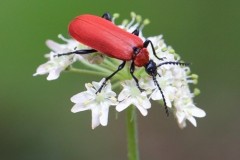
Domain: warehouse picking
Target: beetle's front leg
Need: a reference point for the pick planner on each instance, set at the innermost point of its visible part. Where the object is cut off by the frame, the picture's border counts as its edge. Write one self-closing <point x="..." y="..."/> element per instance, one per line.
<point x="145" y="45"/>
<point x="120" y="67"/>
<point x="107" y="16"/>
<point x="132" y="69"/>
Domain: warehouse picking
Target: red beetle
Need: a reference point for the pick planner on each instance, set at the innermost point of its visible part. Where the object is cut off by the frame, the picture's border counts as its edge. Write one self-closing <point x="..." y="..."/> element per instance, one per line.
<point x="100" y="34"/>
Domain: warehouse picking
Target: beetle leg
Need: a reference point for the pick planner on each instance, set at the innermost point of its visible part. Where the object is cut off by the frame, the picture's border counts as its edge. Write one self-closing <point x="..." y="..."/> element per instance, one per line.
<point x="132" y="69"/>
<point x="120" y="67"/>
<point x="107" y="16"/>
<point x="136" y="32"/>
<point x="146" y="43"/>
<point x="83" y="51"/>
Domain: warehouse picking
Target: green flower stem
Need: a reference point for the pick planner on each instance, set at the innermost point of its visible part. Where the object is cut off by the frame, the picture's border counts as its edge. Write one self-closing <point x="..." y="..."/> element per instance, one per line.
<point x="132" y="136"/>
<point x="96" y="67"/>
<point x="111" y="63"/>
<point x="87" y="71"/>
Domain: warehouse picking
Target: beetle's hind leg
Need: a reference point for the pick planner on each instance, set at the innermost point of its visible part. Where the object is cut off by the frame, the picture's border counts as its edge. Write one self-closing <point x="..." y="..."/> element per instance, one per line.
<point x="120" y="67"/>
<point x="107" y="16"/>
<point x="82" y="51"/>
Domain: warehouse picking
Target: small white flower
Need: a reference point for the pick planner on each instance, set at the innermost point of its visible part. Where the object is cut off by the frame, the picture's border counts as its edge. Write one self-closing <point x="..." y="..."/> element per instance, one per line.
<point x="55" y="65"/>
<point x="98" y="103"/>
<point x="166" y="87"/>
<point x="185" y="109"/>
<point x="131" y="95"/>
<point x="70" y="45"/>
<point x="188" y="113"/>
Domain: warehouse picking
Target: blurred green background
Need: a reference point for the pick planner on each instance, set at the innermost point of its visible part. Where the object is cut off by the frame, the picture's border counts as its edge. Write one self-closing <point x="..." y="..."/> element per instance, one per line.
<point x="35" y="118"/>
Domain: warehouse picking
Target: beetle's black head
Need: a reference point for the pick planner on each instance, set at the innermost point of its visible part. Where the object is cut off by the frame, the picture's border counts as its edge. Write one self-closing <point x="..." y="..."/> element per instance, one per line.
<point x="151" y="68"/>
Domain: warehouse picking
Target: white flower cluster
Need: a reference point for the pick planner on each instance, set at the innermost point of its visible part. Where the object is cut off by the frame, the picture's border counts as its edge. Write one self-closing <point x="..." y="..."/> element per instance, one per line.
<point x="56" y="65"/>
<point x="173" y="79"/>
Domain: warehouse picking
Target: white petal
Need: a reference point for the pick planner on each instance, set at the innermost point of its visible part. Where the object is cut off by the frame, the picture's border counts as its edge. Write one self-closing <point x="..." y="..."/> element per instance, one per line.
<point x="53" y="74"/>
<point x="141" y="107"/>
<point x="123" y="105"/>
<point x="197" y="112"/>
<point x="79" y="108"/>
<point x="193" y="121"/>
<point x="108" y="87"/>
<point x="104" y="116"/>
<point x="56" y="47"/>
<point x="42" y="69"/>
<point x="81" y="97"/>
<point x="156" y="95"/>
<point x="180" y="116"/>
<point x="96" y="85"/>
<point x="146" y="103"/>
<point x="142" y="110"/>
<point x="95" y="118"/>
<point x="168" y="102"/>
<point x="123" y="94"/>
<point x="182" y="125"/>
<point x="171" y="92"/>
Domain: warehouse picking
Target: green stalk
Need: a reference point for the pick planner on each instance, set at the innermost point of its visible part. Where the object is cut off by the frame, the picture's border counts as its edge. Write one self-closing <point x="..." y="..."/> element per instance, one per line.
<point x="87" y="71"/>
<point x="132" y="135"/>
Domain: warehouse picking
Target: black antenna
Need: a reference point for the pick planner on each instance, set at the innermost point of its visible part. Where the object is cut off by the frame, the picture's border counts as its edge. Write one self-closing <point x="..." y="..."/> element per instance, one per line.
<point x="155" y="80"/>
<point x="164" y="101"/>
<point x="173" y="63"/>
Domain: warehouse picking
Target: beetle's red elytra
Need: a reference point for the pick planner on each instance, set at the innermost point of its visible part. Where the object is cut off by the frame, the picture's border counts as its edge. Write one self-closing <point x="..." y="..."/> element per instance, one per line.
<point x="111" y="40"/>
<point x="103" y="36"/>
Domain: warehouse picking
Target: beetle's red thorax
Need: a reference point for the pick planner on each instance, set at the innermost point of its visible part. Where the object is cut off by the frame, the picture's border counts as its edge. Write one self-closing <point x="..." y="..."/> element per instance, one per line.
<point x="142" y="58"/>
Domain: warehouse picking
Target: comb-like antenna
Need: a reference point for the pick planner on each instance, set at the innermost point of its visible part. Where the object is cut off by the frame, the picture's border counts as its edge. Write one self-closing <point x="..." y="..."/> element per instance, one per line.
<point x="164" y="101"/>
<point x="173" y="63"/>
<point x="156" y="83"/>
